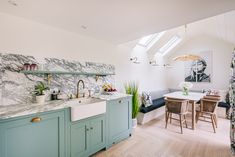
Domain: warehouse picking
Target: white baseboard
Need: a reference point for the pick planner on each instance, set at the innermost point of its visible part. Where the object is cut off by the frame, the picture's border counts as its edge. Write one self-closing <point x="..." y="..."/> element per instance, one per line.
<point x="143" y="118"/>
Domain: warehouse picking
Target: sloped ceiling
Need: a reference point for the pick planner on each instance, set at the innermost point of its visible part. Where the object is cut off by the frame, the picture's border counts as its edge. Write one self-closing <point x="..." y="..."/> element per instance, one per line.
<point x="221" y="27"/>
<point x="116" y="21"/>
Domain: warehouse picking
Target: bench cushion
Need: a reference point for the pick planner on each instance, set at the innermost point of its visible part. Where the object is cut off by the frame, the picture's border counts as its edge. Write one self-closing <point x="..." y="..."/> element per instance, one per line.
<point x="224" y="104"/>
<point x="157" y="103"/>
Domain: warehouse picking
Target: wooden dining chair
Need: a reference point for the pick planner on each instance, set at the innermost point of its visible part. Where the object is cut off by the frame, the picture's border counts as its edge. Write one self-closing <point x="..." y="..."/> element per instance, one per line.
<point x="207" y="110"/>
<point x="179" y="107"/>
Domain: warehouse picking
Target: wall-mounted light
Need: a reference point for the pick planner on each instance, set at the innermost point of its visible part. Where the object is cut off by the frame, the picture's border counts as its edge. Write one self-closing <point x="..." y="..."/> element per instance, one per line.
<point x="134" y="60"/>
<point x="167" y="66"/>
<point x="154" y="63"/>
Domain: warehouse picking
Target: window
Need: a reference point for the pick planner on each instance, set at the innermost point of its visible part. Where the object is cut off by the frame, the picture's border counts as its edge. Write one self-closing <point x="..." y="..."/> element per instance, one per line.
<point x="175" y="40"/>
<point x="149" y="40"/>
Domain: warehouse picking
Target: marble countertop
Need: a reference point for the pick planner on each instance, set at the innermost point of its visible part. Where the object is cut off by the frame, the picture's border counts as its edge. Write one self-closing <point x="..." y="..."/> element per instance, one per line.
<point x="11" y="111"/>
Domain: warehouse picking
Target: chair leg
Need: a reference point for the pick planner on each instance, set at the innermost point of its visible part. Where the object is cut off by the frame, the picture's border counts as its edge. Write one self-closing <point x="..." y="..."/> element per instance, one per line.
<point x="181" y="124"/>
<point x="170" y="117"/>
<point x="213" y="123"/>
<point x="167" y="117"/>
<point x="185" y="121"/>
<point x="215" y="120"/>
<point x="197" y="116"/>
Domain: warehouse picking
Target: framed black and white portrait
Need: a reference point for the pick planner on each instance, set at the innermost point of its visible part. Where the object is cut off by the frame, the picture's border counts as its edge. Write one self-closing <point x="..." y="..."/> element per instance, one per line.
<point x="200" y="70"/>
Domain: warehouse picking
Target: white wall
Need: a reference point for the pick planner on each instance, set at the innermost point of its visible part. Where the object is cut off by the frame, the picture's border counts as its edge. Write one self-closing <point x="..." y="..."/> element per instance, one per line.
<point x="222" y="53"/>
<point x="21" y="36"/>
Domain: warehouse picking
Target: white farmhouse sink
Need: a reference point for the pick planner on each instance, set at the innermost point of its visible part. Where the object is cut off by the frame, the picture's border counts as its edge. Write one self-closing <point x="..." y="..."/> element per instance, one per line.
<point x="86" y="107"/>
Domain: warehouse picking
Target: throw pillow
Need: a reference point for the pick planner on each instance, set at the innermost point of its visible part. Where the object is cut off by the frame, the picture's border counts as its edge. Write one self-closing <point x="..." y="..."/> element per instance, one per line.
<point x="146" y="99"/>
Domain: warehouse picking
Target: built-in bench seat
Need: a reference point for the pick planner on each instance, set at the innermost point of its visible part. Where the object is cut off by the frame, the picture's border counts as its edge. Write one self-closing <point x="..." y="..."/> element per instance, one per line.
<point x="155" y="110"/>
<point x="157" y="103"/>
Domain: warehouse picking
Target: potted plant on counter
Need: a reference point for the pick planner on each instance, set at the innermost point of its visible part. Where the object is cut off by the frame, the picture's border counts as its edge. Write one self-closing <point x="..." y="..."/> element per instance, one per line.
<point x="39" y="92"/>
<point x="132" y="89"/>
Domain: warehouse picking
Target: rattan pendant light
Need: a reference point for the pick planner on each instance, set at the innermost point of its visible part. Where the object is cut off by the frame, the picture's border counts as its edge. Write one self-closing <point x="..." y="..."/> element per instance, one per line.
<point x="188" y="57"/>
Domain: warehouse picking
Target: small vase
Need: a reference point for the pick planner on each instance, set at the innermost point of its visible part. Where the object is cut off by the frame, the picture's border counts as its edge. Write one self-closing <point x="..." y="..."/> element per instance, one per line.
<point x="40" y="99"/>
<point x="185" y="91"/>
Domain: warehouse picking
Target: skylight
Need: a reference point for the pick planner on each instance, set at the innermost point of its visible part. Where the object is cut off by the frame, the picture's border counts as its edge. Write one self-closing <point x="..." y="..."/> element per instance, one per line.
<point x="149" y="40"/>
<point x="175" y="40"/>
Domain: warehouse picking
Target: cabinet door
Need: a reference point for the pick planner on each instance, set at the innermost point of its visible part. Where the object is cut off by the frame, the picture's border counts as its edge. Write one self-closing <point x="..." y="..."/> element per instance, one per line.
<point x="97" y="134"/>
<point x="24" y="138"/>
<point x="79" y="139"/>
<point x="119" y="120"/>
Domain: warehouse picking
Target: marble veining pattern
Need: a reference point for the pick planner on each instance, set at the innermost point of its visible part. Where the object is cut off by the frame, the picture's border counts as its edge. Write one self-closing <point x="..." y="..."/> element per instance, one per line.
<point x="16" y="88"/>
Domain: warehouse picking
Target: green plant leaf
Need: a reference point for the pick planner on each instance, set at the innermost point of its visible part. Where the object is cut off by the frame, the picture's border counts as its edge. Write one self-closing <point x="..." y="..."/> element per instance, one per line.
<point x="132" y="88"/>
<point x="40" y="88"/>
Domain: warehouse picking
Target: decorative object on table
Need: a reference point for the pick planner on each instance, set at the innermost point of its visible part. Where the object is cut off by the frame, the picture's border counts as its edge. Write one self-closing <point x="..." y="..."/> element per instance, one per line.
<point x="199" y="69"/>
<point x="39" y="92"/>
<point x="108" y="88"/>
<point x="146" y="99"/>
<point x="232" y="104"/>
<point x="185" y="86"/>
<point x="135" y="60"/>
<point x="26" y="66"/>
<point x="132" y="89"/>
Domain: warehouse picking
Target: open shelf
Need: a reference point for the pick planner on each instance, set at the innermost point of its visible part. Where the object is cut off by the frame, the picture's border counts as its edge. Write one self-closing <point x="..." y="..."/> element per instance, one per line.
<point x="36" y="72"/>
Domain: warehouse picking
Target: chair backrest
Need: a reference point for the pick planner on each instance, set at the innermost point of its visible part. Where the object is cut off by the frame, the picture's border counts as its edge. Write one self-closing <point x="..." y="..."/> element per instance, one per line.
<point x="177" y="106"/>
<point x="213" y="96"/>
<point x="209" y="103"/>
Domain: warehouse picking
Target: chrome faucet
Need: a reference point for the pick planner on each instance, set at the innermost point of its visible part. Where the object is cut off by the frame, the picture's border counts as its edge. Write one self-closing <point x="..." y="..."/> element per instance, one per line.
<point x="83" y="86"/>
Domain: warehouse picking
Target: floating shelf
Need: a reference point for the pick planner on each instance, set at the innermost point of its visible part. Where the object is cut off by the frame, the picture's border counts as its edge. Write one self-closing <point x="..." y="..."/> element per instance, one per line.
<point x="36" y="72"/>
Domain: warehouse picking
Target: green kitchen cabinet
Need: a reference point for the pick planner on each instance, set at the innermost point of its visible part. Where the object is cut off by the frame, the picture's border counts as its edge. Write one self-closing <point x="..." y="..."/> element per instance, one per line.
<point x="119" y="120"/>
<point x="87" y="136"/>
<point x="37" y="135"/>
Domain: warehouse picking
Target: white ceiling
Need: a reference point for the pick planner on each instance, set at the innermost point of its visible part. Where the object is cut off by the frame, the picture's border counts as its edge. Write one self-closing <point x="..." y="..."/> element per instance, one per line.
<point x="116" y="21"/>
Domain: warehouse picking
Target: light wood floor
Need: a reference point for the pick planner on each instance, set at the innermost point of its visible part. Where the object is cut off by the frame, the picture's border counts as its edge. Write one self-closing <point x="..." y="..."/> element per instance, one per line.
<point x="153" y="140"/>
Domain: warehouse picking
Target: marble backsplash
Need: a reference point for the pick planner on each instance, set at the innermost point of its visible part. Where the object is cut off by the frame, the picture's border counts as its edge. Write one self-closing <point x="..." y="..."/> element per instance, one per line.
<point x="16" y="87"/>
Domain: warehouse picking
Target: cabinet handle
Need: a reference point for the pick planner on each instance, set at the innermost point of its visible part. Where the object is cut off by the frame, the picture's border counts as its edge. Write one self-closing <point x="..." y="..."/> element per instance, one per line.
<point x="91" y="128"/>
<point x="87" y="129"/>
<point x="36" y="119"/>
<point x="120" y="101"/>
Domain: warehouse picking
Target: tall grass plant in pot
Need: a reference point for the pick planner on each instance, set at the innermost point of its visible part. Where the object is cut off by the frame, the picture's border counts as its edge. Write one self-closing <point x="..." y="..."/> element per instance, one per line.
<point x="132" y="89"/>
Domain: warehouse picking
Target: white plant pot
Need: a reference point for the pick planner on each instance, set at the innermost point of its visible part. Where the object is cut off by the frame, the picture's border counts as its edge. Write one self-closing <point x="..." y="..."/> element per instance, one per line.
<point x="134" y="123"/>
<point x="40" y="99"/>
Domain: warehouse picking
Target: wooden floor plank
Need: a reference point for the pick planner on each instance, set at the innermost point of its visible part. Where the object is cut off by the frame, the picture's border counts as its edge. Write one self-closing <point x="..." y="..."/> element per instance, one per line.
<point x="153" y="140"/>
